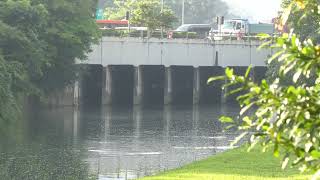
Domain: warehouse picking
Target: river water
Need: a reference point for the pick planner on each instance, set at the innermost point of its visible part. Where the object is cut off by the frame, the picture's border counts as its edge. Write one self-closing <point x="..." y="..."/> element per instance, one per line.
<point x="111" y="143"/>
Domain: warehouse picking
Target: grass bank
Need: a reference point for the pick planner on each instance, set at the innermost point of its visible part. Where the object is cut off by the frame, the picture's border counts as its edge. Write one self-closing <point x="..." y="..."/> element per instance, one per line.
<point x="234" y="164"/>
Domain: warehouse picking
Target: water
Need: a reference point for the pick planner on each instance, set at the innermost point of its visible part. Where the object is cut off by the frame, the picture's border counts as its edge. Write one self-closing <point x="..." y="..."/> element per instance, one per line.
<point x="111" y="143"/>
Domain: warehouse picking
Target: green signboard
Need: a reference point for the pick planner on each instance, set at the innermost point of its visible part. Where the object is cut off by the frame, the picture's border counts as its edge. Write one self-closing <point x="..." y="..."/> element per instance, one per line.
<point x="99" y="14"/>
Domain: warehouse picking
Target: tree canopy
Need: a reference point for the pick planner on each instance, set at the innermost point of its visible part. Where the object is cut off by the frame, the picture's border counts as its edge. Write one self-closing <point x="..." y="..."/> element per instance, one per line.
<point x="145" y="13"/>
<point x="196" y="11"/>
<point x="199" y="11"/>
<point x="40" y="41"/>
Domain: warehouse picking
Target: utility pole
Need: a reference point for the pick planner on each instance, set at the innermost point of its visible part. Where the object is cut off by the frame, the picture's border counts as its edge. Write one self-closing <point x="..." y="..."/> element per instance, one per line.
<point x="182" y="16"/>
<point x="162" y="5"/>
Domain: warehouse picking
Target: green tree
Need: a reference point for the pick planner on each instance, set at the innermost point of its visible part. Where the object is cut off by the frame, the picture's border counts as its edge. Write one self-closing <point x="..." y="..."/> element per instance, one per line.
<point x="40" y="41"/>
<point x="284" y="116"/>
<point x="147" y="13"/>
<point x="199" y="11"/>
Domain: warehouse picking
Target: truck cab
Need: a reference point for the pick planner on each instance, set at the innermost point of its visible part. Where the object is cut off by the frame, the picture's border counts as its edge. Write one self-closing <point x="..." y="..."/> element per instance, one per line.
<point x="234" y="27"/>
<point x="239" y="28"/>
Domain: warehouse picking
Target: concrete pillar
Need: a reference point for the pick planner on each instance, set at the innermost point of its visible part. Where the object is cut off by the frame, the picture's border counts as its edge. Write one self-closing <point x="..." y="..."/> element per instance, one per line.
<point x="210" y="93"/>
<point x="196" y="85"/>
<point x="168" y="86"/>
<point x="182" y="84"/>
<point x="69" y="96"/>
<point x="106" y="86"/>
<point x="238" y="70"/>
<point x="138" y="86"/>
<point x="76" y="94"/>
<point x="259" y="73"/>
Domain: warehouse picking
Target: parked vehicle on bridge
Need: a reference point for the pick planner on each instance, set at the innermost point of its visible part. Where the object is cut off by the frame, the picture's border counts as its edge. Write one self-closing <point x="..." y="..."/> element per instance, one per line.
<point x="202" y="30"/>
<point x="239" y="28"/>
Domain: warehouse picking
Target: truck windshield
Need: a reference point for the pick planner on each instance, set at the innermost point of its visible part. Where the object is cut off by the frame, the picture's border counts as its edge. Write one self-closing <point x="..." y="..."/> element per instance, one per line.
<point x="229" y="25"/>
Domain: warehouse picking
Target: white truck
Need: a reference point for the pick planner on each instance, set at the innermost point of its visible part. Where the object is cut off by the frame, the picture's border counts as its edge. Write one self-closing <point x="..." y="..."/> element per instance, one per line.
<point x="238" y="28"/>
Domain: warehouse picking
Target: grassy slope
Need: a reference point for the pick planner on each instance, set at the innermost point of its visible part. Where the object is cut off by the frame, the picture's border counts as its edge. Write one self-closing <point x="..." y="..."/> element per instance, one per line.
<point x="234" y="164"/>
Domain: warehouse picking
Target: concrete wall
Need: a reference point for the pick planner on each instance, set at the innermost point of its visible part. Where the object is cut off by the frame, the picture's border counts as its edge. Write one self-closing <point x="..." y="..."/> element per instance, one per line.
<point x="179" y="52"/>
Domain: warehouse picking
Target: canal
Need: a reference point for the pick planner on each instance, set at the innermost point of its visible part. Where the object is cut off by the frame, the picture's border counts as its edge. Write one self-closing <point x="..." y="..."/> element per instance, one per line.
<point x="110" y="143"/>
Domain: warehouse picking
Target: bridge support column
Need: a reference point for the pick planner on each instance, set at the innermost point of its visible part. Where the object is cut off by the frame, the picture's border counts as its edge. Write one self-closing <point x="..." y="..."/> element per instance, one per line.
<point x="210" y="93"/>
<point x="168" y="86"/>
<point x="76" y="94"/>
<point x="196" y="85"/>
<point x="69" y="96"/>
<point x="106" y="86"/>
<point x="138" y="86"/>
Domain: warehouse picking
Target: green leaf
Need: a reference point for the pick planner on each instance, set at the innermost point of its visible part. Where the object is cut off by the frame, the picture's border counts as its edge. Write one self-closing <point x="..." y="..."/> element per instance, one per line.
<point x="285" y="162"/>
<point x="296" y="76"/>
<point x="248" y="71"/>
<point x="275" y="56"/>
<point x="264" y="45"/>
<point x="212" y="79"/>
<point x="257" y="90"/>
<point x="263" y="36"/>
<point x="315" y="154"/>
<point x="237" y="139"/>
<point x="276" y="151"/>
<point x="247" y="120"/>
<point x="225" y="119"/>
<point x="229" y="72"/>
<point x="246" y="108"/>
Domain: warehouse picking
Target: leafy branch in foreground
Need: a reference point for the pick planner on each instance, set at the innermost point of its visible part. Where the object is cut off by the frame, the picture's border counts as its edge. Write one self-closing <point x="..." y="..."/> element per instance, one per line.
<point x="286" y="117"/>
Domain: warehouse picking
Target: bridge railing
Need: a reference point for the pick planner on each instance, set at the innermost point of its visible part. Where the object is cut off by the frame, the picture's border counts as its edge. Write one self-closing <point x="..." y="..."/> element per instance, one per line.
<point x="147" y="34"/>
<point x="143" y="34"/>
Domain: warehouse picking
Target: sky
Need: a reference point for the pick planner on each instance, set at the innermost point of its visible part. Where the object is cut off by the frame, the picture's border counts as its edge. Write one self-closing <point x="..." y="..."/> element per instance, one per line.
<point x="255" y="10"/>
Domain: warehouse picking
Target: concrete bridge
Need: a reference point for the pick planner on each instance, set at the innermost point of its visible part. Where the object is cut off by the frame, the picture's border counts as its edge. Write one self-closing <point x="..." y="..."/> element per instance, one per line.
<point x="156" y="72"/>
<point x="177" y="52"/>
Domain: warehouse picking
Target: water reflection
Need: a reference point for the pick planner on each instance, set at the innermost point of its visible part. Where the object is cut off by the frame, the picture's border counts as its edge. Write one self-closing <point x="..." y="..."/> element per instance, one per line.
<point x="115" y="143"/>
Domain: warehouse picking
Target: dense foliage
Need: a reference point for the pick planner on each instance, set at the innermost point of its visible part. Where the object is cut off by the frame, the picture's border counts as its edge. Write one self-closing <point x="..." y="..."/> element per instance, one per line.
<point x="143" y="13"/>
<point x="200" y="11"/>
<point x="285" y="116"/>
<point x="196" y="11"/>
<point x="307" y="26"/>
<point x="40" y="41"/>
